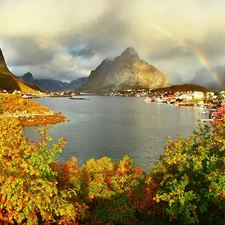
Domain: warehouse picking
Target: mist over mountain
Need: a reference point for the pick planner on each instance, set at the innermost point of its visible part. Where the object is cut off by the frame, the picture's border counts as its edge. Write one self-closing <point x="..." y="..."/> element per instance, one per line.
<point x="213" y="79"/>
<point x="175" y="78"/>
<point x="124" y="72"/>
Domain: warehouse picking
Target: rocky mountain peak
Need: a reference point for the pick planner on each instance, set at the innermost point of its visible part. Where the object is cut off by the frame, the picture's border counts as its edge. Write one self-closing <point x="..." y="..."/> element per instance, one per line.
<point x="28" y="75"/>
<point x="124" y="72"/>
<point x="28" y="78"/>
<point x="130" y="53"/>
<point x="3" y="66"/>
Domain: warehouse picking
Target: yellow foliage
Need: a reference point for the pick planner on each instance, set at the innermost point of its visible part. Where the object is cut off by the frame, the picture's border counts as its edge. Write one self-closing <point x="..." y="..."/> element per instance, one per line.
<point x="126" y="165"/>
<point x="100" y="167"/>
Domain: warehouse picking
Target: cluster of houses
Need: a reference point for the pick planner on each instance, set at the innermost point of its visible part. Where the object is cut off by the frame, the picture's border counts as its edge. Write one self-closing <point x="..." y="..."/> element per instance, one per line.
<point x="150" y="95"/>
<point x="170" y="96"/>
<point x="179" y="97"/>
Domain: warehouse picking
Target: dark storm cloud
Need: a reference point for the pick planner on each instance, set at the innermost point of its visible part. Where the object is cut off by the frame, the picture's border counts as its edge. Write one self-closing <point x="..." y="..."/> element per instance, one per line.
<point x="105" y="34"/>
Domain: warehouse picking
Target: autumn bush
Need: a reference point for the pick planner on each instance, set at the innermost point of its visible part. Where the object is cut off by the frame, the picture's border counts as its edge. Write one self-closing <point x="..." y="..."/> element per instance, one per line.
<point x="190" y="177"/>
<point x="185" y="186"/>
<point x="28" y="184"/>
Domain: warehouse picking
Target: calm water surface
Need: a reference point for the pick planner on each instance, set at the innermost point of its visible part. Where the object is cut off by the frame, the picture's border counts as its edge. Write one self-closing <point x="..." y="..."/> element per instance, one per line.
<point x="117" y="126"/>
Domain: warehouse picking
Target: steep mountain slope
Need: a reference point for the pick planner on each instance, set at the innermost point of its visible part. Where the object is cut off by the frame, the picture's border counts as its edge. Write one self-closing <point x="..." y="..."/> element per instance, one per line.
<point x="124" y="72"/>
<point x="10" y="82"/>
<point x="29" y="80"/>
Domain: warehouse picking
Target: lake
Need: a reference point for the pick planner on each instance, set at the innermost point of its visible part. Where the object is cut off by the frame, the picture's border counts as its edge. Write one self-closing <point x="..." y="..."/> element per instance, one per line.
<point x="117" y="126"/>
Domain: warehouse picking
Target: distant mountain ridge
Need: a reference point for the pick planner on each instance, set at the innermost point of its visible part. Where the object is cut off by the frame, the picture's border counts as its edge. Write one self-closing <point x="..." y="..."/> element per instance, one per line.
<point x="51" y="84"/>
<point x="124" y="72"/>
<point x="213" y="79"/>
<point x="57" y="85"/>
<point x="9" y="81"/>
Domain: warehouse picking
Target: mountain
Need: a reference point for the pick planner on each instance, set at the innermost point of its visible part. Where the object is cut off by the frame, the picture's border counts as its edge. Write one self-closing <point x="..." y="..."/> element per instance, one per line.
<point x="28" y="78"/>
<point x="50" y="84"/>
<point x="213" y="79"/>
<point x="57" y="85"/>
<point x="9" y="81"/>
<point x="124" y="72"/>
<point x="74" y="84"/>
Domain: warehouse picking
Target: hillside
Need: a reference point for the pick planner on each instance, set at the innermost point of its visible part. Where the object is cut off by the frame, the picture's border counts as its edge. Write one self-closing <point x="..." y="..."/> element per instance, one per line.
<point x="183" y="87"/>
<point x="10" y="82"/>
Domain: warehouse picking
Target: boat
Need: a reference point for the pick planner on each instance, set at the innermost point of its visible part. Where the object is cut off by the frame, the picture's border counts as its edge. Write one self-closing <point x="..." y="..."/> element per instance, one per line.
<point x="148" y="99"/>
<point x="203" y="110"/>
<point x="27" y="96"/>
<point x="74" y="97"/>
<point x="160" y="100"/>
<point x="78" y="98"/>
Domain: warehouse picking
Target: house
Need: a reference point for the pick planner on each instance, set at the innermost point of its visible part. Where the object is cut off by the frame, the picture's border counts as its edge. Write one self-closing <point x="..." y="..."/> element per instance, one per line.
<point x="198" y="94"/>
<point x="187" y="96"/>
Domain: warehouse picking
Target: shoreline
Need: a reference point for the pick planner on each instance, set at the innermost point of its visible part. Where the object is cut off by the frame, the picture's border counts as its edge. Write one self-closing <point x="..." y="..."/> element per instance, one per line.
<point x="27" y="112"/>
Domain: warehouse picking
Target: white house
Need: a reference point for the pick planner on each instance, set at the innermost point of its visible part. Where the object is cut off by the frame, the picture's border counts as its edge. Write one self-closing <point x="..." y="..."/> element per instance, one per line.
<point x="187" y="96"/>
<point x="198" y="94"/>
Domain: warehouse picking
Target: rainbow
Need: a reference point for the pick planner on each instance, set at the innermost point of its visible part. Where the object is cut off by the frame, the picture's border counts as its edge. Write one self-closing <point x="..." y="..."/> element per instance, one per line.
<point x="199" y="55"/>
<point x="205" y="62"/>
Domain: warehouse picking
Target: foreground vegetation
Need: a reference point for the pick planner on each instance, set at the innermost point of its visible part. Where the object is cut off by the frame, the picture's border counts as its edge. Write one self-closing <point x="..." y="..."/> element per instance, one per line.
<point x="185" y="186"/>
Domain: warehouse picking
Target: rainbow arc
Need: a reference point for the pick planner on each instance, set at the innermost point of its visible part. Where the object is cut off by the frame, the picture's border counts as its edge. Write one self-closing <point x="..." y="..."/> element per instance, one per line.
<point x="199" y="55"/>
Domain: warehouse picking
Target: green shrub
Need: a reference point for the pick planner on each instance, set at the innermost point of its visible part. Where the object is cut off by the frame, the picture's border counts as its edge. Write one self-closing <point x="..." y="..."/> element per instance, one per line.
<point x="190" y="177"/>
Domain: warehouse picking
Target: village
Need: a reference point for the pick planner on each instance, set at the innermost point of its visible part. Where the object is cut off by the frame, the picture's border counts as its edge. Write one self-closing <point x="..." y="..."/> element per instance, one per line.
<point x="211" y="102"/>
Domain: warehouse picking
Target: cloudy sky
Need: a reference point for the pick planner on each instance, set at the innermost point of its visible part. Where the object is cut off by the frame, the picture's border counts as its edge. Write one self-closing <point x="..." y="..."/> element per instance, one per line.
<point x="65" y="40"/>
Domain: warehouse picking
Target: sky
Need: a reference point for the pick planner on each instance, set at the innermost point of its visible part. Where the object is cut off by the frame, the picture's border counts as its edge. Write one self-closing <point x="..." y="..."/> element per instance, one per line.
<point x="65" y="40"/>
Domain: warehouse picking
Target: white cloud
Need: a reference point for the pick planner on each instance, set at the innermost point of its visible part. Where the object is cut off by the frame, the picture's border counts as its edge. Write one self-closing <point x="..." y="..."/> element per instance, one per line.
<point x="67" y="39"/>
